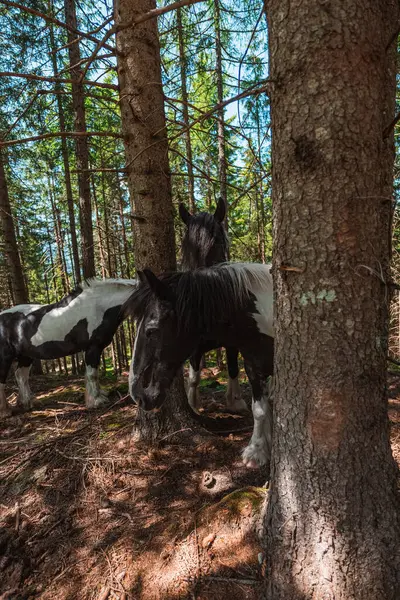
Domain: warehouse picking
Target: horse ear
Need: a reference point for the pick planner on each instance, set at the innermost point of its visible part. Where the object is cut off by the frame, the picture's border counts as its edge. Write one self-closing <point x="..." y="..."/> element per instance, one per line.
<point x="140" y="276"/>
<point x="184" y="213"/>
<point x="220" y="211"/>
<point x="157" y="286"/>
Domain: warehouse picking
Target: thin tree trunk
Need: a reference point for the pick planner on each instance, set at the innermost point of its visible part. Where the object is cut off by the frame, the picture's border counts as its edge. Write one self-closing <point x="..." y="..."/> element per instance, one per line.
<point x="99" y="233"/>
<point x="65" y="156"/>
<point x="81" y="145"/>
<point x="58" y="238"/>
<point x="221" y="118"/>
<point x="332" y="524"/>
<point x="11" y="252"/>
<point x="185" y="110"/>
<point x="123" y="230"/>
<point x="146" y="147"/>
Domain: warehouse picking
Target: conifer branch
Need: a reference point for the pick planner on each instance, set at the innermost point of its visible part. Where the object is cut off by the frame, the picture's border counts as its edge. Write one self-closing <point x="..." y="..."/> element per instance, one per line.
<point x="33" y="77"/>
<point x="62" y="134"/>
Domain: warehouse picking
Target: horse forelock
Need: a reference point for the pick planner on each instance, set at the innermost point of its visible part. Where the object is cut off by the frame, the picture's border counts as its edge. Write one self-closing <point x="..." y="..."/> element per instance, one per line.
<point x="205" y="242"/>
<point x="205" y="297"/>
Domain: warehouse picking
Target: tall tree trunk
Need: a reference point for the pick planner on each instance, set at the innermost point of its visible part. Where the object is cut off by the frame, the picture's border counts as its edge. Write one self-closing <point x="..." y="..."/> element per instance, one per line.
<point x="20" y="292"/>
<point x="123" y="230"/>
<point x="185" y="110"/>
<point x="58" y="237"/>
<point x="221" y="118"/>
<point x="146" y="147"/>
<point x="81" y="145"/>
<point x="65" y="157"/>
<point x="332" y="524"/>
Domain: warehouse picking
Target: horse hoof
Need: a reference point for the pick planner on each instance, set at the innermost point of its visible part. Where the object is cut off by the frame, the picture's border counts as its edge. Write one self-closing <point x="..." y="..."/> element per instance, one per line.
<point x="255" y="455"/>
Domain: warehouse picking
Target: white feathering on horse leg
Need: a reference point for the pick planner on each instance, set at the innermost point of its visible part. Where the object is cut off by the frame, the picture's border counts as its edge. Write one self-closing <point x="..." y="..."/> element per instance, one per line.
<point x="193" y="389"/>
<point x="234" y="400"/>
<point x="5" y="408"/>
<point x="24" y="395"/>
<point x="258" y="452"/>
<point x="94" y="396"/>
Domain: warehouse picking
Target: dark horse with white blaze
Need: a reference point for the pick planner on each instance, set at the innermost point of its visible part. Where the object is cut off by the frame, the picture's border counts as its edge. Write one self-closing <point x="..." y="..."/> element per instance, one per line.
<point x="178" y="312"/>
<point x="206" y="244"/>
<point x="85" y="320"/>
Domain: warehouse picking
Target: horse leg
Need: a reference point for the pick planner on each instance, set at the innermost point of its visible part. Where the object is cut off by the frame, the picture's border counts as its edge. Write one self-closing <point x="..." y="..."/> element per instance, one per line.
<point x="258" y="452"/>
<point x="234" y="400"/>
<point x="194" y="380"/>
<point x="5" y="365"/>
<point x="94" y="396"/>
<point x="22" y="371"/>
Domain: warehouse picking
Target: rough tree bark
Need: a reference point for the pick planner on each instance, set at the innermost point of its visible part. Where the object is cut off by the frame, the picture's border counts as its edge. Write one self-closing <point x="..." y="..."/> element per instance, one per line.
<point x="81" y="145"/>
<point x="19" y="290"/>
<point x="221" y="117"/>
<point x="185" y="110"/>
<point x="65" y="156"/>
<point x="146" y="148"/>
<point x="332" y="525"/>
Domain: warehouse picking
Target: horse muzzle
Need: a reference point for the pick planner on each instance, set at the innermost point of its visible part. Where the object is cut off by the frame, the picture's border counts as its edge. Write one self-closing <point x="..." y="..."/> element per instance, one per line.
<point x="148" y="399"/>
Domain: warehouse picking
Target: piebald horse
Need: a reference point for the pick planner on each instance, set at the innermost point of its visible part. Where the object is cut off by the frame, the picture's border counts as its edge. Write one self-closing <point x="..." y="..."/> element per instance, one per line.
<point x="85" y="320"/>
<point x="176" y="312"/>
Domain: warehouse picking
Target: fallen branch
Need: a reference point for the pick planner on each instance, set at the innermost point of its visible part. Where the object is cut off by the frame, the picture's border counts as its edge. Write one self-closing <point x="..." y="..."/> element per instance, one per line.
<point x="233" y="580"/>
<point x="44" y="445"/>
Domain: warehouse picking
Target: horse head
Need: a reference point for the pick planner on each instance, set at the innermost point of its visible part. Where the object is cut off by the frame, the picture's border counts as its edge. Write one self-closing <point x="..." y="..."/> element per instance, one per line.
<point x="205" y="242"/>
<point x="161" y="347"/>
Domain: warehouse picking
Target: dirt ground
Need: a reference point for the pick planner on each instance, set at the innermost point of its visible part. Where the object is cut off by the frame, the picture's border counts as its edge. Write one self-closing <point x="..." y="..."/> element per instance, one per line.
<point x="86" y="513"/>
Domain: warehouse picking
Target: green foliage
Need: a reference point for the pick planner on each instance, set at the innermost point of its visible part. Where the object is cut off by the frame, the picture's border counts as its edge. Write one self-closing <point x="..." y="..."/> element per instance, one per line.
<point x="36" y="172"/>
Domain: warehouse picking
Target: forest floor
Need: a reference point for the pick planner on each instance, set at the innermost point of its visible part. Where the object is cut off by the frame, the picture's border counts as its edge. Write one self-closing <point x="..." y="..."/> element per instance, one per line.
<point x="86" y="513"/>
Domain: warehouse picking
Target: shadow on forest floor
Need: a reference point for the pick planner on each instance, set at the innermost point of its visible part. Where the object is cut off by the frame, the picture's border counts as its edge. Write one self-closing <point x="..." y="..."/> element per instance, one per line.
<point x="87" y="513"/>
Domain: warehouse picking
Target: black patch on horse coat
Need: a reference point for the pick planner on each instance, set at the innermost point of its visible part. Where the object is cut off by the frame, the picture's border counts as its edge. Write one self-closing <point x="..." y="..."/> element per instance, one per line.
<point x="77" y="339"/>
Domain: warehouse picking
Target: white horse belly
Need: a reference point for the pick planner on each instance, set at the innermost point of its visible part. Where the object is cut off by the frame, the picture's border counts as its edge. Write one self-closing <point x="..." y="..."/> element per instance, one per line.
<point x="265" y="315"/>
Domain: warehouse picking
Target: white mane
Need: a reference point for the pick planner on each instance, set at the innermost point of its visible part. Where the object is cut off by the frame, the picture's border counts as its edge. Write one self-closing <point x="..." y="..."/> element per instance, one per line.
<point x="255" y="277"/>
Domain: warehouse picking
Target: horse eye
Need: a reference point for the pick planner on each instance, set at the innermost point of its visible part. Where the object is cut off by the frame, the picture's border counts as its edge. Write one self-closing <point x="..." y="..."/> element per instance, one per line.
<point x="150" y="331"/>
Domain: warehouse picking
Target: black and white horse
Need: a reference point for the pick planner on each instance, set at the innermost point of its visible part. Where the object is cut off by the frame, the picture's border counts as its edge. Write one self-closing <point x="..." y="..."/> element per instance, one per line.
<point x="206" y="244"/>
<point x="85" y="320"/>
<point x="177" y="312"/>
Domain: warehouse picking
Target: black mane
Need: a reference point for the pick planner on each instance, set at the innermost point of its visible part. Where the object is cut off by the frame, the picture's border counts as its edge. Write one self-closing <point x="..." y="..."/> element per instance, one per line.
<point x="202" y="299"/>
<point x="205" y="242"/>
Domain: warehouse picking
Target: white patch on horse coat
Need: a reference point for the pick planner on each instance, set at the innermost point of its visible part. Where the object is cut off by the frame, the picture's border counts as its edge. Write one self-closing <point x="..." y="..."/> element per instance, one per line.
<point x="96" y="297"/>
<point x="258" y="452"/>
<point x="265" y="316"/>
<point x="234" y="400"/>
<point x="25" y="394"/>
<point x="131" y="373"/>
<point x="5" y="409"/>
<point x="94" y="396"/>
<point x="256" y="278"/>
<point x="22" y="308"/>
<point x="193" y="388"/>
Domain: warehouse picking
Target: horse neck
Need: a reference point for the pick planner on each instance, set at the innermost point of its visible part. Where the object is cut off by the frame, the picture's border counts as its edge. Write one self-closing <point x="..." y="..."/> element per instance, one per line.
<point x="195" y="260"/>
